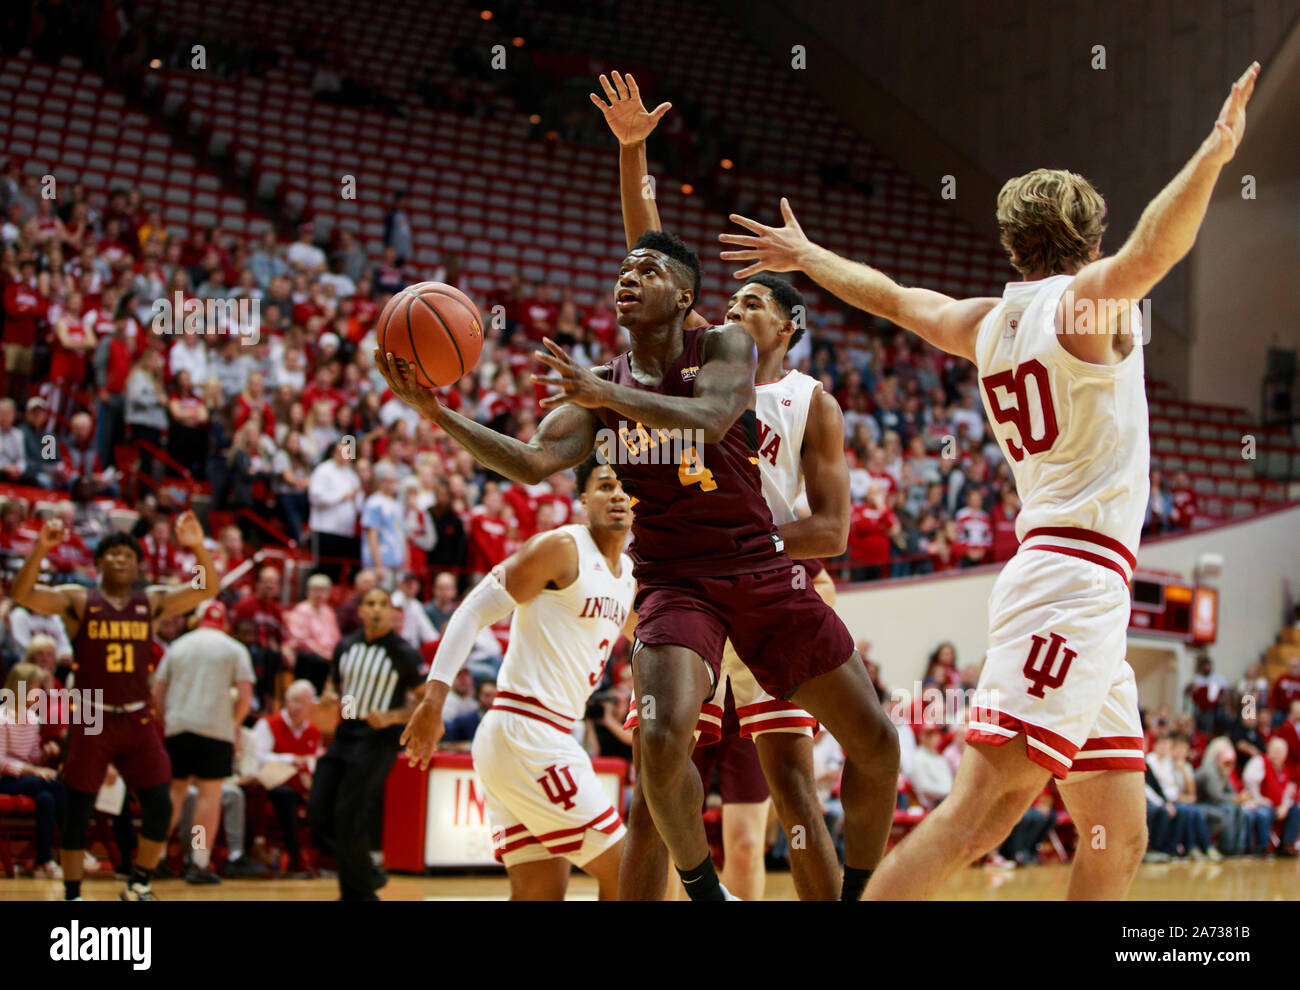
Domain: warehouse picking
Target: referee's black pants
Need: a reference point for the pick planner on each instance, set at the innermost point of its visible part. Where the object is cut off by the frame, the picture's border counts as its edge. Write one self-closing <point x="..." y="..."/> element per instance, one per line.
<point x="348" y="784"/>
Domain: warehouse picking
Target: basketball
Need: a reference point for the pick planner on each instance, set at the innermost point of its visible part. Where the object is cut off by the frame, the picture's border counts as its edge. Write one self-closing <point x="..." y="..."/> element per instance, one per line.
<point x="433" y="331"/>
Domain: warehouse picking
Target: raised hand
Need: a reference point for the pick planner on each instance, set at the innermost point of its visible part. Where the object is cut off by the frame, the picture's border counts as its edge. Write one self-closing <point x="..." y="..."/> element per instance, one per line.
<point x="189" y="532"/>
<point x="773" y="249"/>
<point x="625" y="114"/>
<point x="50" y="536"/>
<point x="578" y="385"/>
<point x="422" y="400"/>
<point x="1222" y="143"/>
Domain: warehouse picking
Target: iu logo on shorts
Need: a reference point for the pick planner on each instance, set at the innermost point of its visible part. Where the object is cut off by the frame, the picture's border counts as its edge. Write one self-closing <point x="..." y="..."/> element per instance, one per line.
<point x="1044" y="676"/>
<point x="559" y="786"/>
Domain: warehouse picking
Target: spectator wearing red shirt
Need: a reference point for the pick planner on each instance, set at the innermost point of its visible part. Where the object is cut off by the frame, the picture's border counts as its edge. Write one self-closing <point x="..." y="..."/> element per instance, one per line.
<point x="162" y="559"/>
<point x="1269" y="780"/>
<point x="944" y="550"/>
<point x="1289" y="731"/>
<point x="560" y="496"/>
<point x="71" y="560"/>
<point x="1183" y="500"/>
<point x="872" y="527"/>
<point x="539" y="312"/>
<point x="489" y="528"/>
<point x="24" y="305"/>
<point x="71" y="344"/>
<point x="288" y="736"/>
<point x="324" y="388"/>
<point x="1286" y="689"/>
<point x="264" y="608"/>
<point x="253" y="399"/>
<point x="1002" y="520"/>
<point x="112" y="368"/>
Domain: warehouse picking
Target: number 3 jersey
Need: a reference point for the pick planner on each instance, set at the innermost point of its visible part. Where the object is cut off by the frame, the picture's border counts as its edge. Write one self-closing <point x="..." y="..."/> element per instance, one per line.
<point x="1074" y="433"/>
<point x="113" y="649"/>
<point x="560" y="640"/>
<point x="699" y="509"/>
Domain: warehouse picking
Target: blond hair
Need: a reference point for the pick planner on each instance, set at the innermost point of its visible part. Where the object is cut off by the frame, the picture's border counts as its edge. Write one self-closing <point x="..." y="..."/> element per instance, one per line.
<point x="1050" y="221"/>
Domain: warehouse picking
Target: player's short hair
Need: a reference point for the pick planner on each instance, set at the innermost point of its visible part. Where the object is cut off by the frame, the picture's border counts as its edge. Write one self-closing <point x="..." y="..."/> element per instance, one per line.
<point x="1051" y="219"/>
<point x="119" y="540"/>
<point x="684" y="261"/>
<point x="787" y="299"/>
<point x="582" y="473"/>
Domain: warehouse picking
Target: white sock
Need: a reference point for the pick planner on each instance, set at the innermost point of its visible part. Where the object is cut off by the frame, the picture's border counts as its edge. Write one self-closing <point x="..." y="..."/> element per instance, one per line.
<point x="201" y="858"/>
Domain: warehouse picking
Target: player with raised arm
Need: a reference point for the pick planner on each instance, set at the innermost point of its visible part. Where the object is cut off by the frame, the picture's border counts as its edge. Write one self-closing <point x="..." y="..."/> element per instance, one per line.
<point x="111" y="628"/>
<point x="571" y="592"/>
<point x="1070" y="414"/>
<point x="801" y="463"/>
<point x="709" y="563"/>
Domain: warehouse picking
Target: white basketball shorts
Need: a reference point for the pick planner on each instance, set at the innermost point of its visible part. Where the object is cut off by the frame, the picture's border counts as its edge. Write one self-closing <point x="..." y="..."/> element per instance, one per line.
<point x="1056" y="670"/>
<point x="543" y="797"/>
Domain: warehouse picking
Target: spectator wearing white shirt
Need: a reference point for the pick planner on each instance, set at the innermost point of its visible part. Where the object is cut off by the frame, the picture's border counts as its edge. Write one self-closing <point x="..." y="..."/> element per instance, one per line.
<point x="189" y="353"/>
<point x="335" y="497"/>
<point x="303" y="255"/>
<point x="414" y="626"/>
<point x="461" y="699"/>
<point x="24" y="626"/>
<point x="13" y="462"/>
<point x="931" y="773"/>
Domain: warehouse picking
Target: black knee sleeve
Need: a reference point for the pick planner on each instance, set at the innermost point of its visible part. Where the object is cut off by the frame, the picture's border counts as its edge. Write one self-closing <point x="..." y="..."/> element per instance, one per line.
<point x="76" y="819"/>
<point x="155" y="812"/>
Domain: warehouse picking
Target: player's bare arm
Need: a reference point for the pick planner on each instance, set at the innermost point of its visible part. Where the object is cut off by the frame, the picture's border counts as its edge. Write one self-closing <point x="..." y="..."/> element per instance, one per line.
<point x="185" y="598"/>
<point x="724" y="388"/>
<point x="562" y="439"/>
<point x="68" y="601"/>
<point x="949" y="324"/>
<point x="825" y="531"/>
<point x="1164" y="234"/>
<point x="547" y="560"/>
<point x="631" y="123"/>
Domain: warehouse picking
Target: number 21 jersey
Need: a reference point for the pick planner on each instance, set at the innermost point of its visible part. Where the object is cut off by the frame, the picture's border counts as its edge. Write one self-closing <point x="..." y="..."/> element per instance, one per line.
<point x="1074" y="433"/>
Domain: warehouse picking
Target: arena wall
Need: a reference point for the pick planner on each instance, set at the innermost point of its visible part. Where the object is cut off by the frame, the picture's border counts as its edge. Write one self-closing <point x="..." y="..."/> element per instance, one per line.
<point x="1259" y="584"/>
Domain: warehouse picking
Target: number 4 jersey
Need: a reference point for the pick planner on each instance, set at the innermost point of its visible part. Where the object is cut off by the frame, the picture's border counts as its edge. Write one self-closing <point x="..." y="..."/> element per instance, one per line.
<point x="699" y="509"/>
<point x="1074" y="433"/>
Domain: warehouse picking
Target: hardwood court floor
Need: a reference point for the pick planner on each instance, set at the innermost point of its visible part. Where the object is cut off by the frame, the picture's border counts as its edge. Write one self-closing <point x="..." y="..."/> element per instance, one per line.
<point x="1230" y="881"/>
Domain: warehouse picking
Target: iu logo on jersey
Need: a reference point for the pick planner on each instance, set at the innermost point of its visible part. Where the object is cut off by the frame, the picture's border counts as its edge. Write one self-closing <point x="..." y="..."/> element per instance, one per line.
<point x="1044" y="676"/>
<point x="559" y="786"/>
<point x="785" y="402"/>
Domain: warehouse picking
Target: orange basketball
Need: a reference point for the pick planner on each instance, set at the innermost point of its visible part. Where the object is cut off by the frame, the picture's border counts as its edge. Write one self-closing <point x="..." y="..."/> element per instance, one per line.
<point x="433" y="331"/>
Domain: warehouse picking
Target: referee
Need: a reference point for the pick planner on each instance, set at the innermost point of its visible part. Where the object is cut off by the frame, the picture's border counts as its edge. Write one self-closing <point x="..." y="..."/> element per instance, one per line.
<point x="372" y="677"/>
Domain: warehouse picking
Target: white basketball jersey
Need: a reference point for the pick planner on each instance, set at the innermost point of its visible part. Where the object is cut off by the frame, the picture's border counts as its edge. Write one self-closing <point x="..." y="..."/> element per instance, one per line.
<point x="1074" y="433"/>
<point x="781" y="408"/>
<point x="560" y="640"/>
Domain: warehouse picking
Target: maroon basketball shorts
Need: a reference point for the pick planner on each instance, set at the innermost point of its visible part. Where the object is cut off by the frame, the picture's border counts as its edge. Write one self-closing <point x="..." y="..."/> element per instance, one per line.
<point x="778" y="624"/>
<point x="740" y="775"/>
<point x="128" y="741"/>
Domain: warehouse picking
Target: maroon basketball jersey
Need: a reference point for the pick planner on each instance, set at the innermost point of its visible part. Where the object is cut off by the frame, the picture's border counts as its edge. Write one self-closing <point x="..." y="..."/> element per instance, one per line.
<point x="113" y="651"/>
<point x="699" y="509"/>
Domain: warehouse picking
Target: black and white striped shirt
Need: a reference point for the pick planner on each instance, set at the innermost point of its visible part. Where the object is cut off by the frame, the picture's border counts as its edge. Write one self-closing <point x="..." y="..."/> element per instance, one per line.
<point x="374" y="676"/>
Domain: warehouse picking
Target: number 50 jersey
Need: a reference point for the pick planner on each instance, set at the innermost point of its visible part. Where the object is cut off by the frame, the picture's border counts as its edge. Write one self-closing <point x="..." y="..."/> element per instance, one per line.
<point x="1075" y="433"/>
<point x="699" y="509"/>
